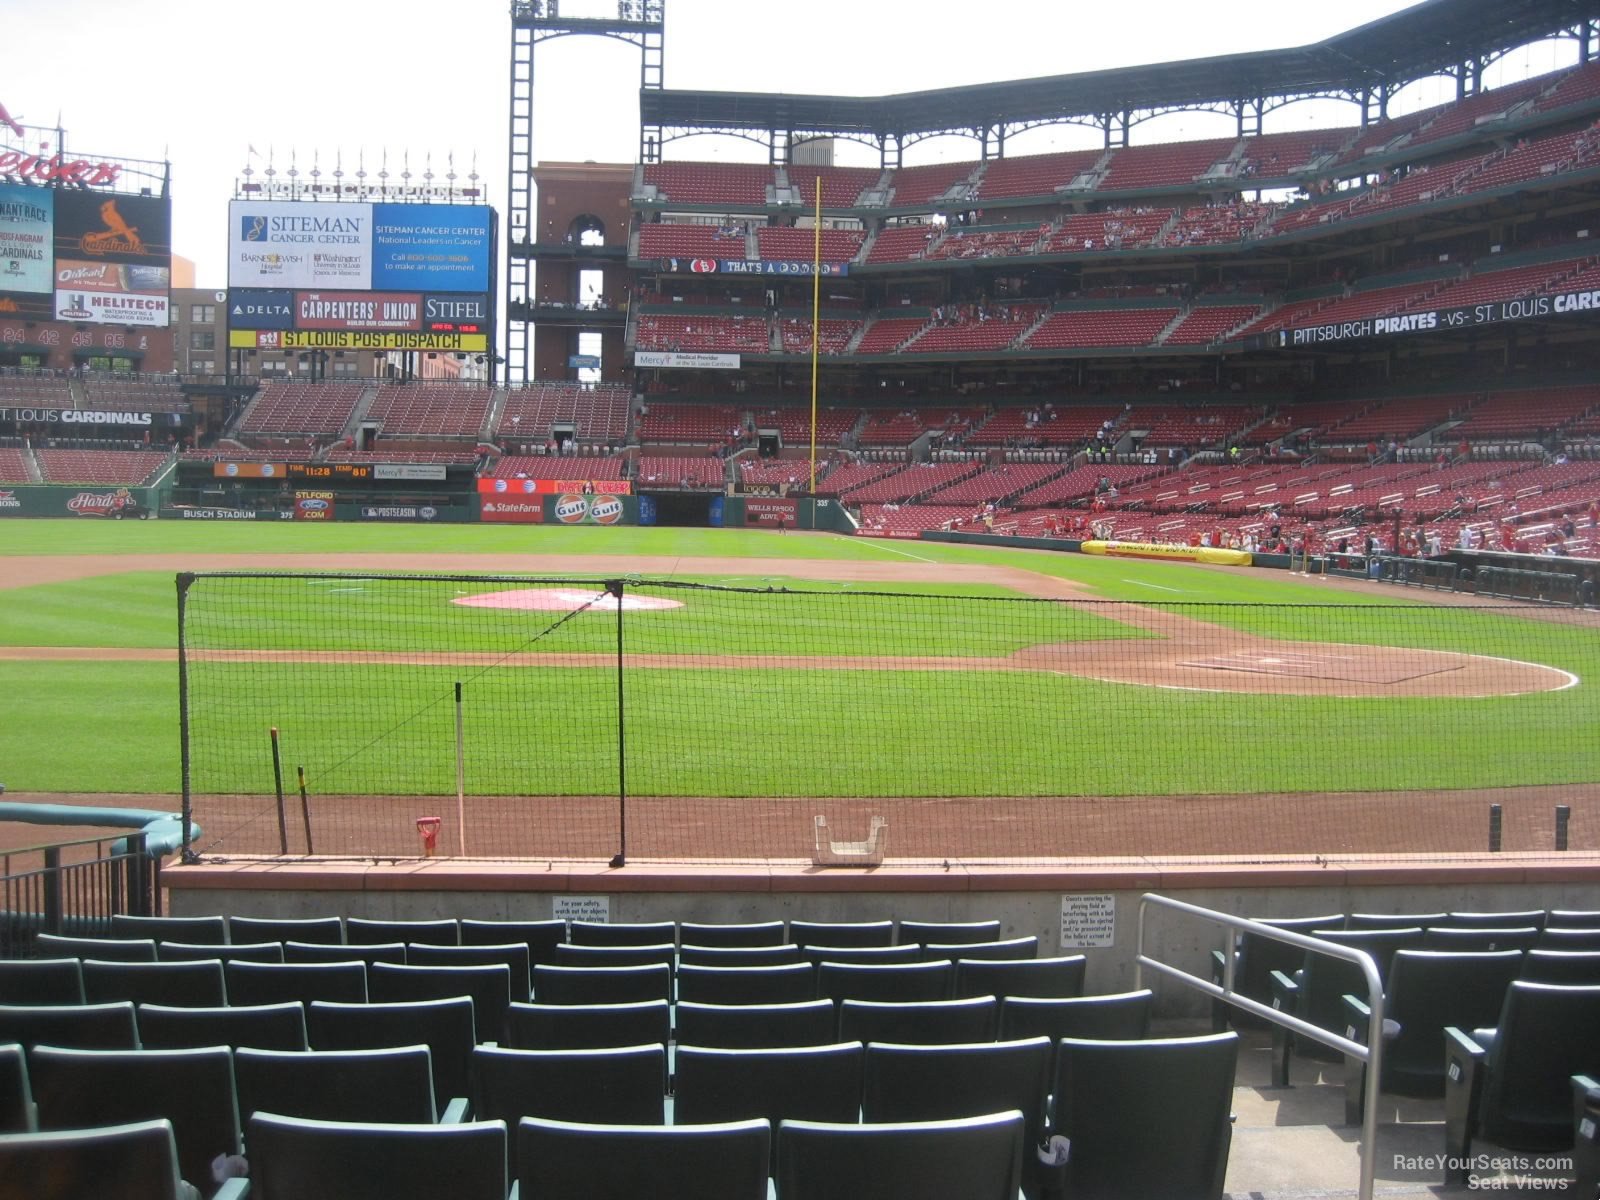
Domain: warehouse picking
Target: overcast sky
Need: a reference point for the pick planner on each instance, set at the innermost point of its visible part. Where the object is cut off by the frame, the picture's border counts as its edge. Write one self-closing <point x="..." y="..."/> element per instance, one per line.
<point x="200" y="81"/>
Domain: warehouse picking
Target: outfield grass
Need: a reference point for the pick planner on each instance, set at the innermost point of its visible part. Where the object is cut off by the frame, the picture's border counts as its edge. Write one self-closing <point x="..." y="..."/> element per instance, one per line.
<point x="88" y="726"/>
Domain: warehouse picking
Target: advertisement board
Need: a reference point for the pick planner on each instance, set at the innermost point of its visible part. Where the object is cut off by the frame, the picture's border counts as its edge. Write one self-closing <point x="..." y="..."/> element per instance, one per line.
<point x="770" y="514"/>
<point x="358" y="310"/>
<point x="108" y="293"/>
<point x="358" y="247"/>
<point x="554" y="487"/>
<point x="578" y="509"/>
<point x="123" y="229"/>
<point x="399" y="512"/>
<point x="292" y="244"/>
<point x="254" y="308"/>
<point x="430" y="247"/>
<point x="410" y="471"/>
<point x="1557" y="304"/>
<point x="673" y="358"/>
<point x="511" y="510"/>
<point x="352" y="339"/>
<point x="27" y="238"/>
<point x="313" y="506"/>
<point x="455" y="313"/>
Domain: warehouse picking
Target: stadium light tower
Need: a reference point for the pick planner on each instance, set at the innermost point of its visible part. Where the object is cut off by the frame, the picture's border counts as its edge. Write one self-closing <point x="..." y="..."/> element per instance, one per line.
<point x="638" y="23"/>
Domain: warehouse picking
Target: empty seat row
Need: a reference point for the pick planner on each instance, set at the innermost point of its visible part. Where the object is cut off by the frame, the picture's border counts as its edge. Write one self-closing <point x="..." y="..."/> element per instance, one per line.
<point x="1106" y="1093"/>
<point x="361" y="930"/>
<point x="293" y="1157"/>
<point x="494" y="985"/>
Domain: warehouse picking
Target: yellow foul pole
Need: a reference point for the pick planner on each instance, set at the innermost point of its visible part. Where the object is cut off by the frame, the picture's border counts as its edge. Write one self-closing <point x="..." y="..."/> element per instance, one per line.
<point x="816" y="308"/>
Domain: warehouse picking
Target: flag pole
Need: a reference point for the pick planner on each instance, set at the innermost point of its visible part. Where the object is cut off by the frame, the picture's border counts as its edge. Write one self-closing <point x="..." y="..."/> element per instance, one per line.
<point x="816" y="307"/>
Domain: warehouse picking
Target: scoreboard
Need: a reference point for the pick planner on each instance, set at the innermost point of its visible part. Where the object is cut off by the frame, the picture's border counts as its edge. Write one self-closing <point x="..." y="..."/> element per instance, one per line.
<point x="326" y="472"/>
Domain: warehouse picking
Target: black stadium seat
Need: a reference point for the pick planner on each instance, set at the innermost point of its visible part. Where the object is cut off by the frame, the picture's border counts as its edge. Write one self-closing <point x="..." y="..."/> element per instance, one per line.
<point x="587" y="1026"/>
<point x="757" y="1026"/>
<point x="194" y="1089"/>
<point x="979" y="1158"/>
<point x="261" y="1027"/>
<point x="294" y="1158"/>
<point x="1511" y="1084"/>
<point x="338" y="1085"/>
<point x="285" y="929"/>
<point x="1118" y="1016"/>
<point x="198" y="984"/>
<point x="445" y="1027"/>
<point x="1426" y="991"/>
<point x="920" y="1023"/>
<point x="41" y="981"/>
<point x="72" y="1164"/>
<point x="560" y="1159"/>
<point x="625" y="1085"/>
<point x="170" y="929"/>
<point x="1147" y="1118"/>
<point x="755" y="933"/>
<point x="274" y="983"/>
<point x="786" y="984"/>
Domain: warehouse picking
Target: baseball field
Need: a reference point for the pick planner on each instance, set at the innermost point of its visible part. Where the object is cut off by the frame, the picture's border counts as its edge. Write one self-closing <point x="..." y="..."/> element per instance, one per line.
<point x="992" y="703"/>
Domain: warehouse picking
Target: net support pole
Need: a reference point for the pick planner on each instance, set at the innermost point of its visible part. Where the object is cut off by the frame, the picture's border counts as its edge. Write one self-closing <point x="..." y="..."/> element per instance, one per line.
<point x="816" y="335"/>
<point x="305" y="807"/>
<point x="615" y="587"/>
<point x="461" y="779"/>
<point x="184" y="580"/>
<point x="277" y="789"/>
<point x="1563" y="816"/>
<point x="1496" y="825"/>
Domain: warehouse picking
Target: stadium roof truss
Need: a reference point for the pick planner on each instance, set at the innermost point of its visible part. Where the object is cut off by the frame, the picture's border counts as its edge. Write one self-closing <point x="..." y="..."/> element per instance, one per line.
<point x="1366" y="66"/>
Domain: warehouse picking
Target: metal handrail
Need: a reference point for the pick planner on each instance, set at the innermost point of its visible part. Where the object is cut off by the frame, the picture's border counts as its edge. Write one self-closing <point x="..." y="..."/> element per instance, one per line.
<point x="1371" y="1054"/>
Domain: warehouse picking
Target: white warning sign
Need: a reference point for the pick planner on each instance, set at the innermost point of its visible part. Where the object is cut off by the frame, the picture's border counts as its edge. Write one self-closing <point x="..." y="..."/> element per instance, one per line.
<point x="581" y="908"/>
<point x="1088" y="920"/>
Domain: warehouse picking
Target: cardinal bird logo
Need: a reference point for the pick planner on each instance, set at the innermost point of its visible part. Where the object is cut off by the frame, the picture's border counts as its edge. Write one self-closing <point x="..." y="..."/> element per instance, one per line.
<point x="117" y="237"/>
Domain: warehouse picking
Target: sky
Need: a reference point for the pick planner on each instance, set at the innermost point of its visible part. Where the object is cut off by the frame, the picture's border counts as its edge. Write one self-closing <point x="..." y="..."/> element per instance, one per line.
<point x="309" y="82"/>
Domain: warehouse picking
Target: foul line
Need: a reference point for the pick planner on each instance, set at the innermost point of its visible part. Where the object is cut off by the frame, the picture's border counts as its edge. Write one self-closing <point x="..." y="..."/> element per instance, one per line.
<point x="896" y="550"/>
<point x="1157" y="586"/>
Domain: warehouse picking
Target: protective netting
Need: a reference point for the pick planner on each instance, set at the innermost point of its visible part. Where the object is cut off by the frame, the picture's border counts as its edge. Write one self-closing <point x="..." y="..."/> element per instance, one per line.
<point x="704" y="722"/>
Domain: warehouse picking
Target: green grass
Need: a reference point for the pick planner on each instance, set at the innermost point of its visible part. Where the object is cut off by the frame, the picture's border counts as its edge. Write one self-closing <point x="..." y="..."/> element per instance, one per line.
<point x="703" y="732"/>
<point x="112" y="726"/>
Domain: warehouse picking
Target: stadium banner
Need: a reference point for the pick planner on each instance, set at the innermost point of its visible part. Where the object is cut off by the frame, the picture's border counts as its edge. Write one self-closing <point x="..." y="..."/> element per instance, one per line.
<point x="46" y="500"/>
<point x="109" y="294"/>
<point x="455" y="313"/>
<point x="358" y="310"/>
<point x="27" y="238"/>
<point x="120" y="229"/>
<point x="1202" y="554"/>
<point x="136" y="421"/>
<point x="410" y="471"/>
<point x="351" y="339"/>
<point x="573" y="508"/>
<point x="673" y="358"/>
<point x="771" y="514"/>
<point x="253" y="308"/>
<point x="580" y="362"/>
<point x="1439" y="320"/>
<point x="511" y="511"/>
<point x="779" y="267"/>
<point x="399" y="512"/>
<point x="313" y="506"/>
<point x="295" y="244"/>
<point x="247" y="470"/>
<point x="431" y="247"/>
<point x="555" y="487"/>
<point x="187" y="513"/>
